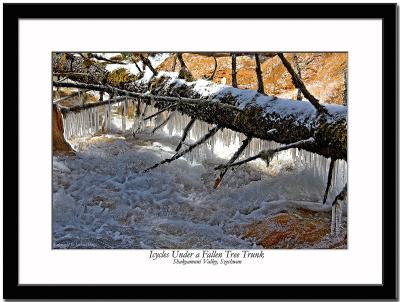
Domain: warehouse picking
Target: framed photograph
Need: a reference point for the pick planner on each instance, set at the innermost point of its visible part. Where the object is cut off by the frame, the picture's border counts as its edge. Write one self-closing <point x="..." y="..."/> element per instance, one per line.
<point x="200" y="151"/>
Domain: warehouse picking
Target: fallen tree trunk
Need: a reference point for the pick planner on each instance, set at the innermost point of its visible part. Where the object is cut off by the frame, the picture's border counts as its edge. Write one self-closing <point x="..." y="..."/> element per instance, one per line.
<point x="243" y="111"/>
<point x="78" y="108"/>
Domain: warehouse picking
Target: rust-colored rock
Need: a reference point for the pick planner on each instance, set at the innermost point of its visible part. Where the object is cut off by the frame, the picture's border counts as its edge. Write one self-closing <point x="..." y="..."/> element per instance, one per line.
<point x="59" y="143"/>
<point x="300" y="228"/>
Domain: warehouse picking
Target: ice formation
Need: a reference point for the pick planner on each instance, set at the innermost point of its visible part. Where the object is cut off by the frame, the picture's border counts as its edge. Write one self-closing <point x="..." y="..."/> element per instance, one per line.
<point x="102" y="200"/>
<point x="336" y="223"/>
<point x="90" y="121"/>
<point x="178" y="205"/>
<point x="224" y="143"/>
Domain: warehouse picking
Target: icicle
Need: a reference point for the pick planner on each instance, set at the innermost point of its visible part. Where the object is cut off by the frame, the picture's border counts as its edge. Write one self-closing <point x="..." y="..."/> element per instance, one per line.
<point x="337" y="214"/>
<point x="64" y="119"/>
<point x="105" y="117"/>
<point x="124" y="112"/>
<point x="72" y="123"/>
<point x="109" y="117"/>
<point x="76" y="124"/>
<point x="97" y="120"/>
<point x="79" y="124"/>
<point x="82" y="123"/>
<point x="171" y="123"/>
<point x="94" y="120"/>
<point x="294" y="154"/>
<point x="336" y="223"/>
<point x="91" y="120"/>
<point x="339" y="218"/>
<point x="333" y="221"/>
<point x="84" y="117"/>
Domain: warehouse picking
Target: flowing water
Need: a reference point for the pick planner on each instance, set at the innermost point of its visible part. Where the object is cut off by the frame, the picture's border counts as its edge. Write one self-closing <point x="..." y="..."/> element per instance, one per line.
<point x="102" y="199"/>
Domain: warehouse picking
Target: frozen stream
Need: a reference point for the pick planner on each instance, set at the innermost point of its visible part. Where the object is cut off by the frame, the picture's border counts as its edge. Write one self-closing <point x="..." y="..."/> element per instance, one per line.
<point x="101" y="199"/>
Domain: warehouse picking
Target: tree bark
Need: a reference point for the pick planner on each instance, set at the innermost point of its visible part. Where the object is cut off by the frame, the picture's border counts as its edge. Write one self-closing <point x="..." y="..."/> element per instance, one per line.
<point x="215" y="68"/>
<point x="260" y="86"/>
<point x="147" y="62"/>
<point x="234" y="79"/>
<point x="184" y="72"/>
<point x="298" y="83"/>
<point x="296" y="64"/>
<point x="292" y="121"/>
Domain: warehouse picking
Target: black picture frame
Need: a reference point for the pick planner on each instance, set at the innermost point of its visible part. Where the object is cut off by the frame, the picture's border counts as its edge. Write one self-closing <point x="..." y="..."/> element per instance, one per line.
<point x="386" y="12"/>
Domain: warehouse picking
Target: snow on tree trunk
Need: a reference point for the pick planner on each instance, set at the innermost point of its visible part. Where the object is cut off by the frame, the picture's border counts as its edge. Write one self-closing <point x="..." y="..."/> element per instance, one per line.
<point x="244" y="111"/>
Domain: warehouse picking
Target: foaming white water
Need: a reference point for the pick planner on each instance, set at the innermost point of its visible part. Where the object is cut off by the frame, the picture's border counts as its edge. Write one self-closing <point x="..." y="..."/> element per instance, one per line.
<point x="102" y="200"/>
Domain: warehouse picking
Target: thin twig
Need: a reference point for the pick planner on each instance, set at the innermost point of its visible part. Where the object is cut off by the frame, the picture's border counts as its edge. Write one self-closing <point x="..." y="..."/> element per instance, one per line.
<point x="163" y="123"/>
<point x="234" y="79"/>
<point x="298" y="83"/>
<point x="91" y="105"/>
<point x="147" y="62"/>
<point x="215" y="68"/>
<point x="328" y="185"/>
<point x="145" y="96"/>
<point x="159" y="112"/>
<point x="260" y="88"/>
<point x="101" y="58"/>
<point x="267" y="154"/>
<point x="190" y="148"/>
<point x="235" y="156"/>
<point x="341" y="196"/>
<point x="185" y="133"/>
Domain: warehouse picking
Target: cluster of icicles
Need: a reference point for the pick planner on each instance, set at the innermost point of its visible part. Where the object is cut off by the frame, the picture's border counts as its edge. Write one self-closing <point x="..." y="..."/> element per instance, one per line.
<point x="92" y="120"/>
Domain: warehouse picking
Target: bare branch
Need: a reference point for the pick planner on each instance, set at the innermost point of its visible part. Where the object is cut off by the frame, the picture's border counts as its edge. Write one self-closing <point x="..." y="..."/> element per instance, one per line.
<point x="260" y="88"/>
<point x="227" y="54"/>
<point x="137" y="66"/>
<point x="298" y="83"/>
<point x="328" y="185"/>
<point x="71" y="73"/>
<point x="185" y="133"/>
<point x="140" y="118"/>
<point x="235" y="156"/>
<point x="234" y="80"/>
<point x="145" y="96"/>
<point x="337" y="211"/>
<point x="91" y="105"/>
<point x="190" y="148"/>
<point x="159" y="112"/>
<point x="173" y="63"/>
<point x="296" y="64"/>
<point x="267" y="155"/>
<point x="184" y="72"/>
<point x="147" y="62"/>
<point x="163" y="123"/>
<point x="215" y="68"/>
<point x="101" y="58"/>
<point x="341" y="196"/>
<point x="68" y="96"/>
